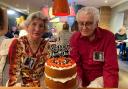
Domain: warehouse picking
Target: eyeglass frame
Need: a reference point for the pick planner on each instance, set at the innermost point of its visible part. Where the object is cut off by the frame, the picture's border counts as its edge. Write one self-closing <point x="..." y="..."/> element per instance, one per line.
<point x="86" y="24"/>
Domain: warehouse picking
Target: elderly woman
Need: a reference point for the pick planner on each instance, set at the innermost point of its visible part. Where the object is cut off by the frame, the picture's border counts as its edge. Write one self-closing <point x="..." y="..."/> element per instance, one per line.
<point x="94" y="51"/>
<point x="28" y="54"/>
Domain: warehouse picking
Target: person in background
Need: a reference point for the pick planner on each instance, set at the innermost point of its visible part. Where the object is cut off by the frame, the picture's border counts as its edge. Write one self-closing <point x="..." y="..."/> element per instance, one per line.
<point x="120" y="38"/>
<point x="121" y="35"/>
<point x="64" y="35"/>
<point x="9" y="34"/>
<point x="12" y="33"/>
<point x="15" y="32"/>
<point x="47" y="35"/>
<point x="28" y="54"/>
<point x="74" y="27"/>
<point x="94" y="51"/>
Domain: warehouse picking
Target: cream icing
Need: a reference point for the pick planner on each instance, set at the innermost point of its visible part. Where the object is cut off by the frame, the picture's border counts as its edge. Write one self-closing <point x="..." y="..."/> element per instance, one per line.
<point x="60" y="68"/>
<point x="62" y="80"/>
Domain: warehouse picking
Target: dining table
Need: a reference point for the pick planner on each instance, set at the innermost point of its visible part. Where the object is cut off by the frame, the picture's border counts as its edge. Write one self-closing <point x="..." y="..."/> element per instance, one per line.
<point x="45" y="88"/>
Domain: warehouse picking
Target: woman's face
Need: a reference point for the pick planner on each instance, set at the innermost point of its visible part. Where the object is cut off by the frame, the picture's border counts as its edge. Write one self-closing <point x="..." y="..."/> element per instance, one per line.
<point x="86" y="25"/>
<point x="36" y="28"/>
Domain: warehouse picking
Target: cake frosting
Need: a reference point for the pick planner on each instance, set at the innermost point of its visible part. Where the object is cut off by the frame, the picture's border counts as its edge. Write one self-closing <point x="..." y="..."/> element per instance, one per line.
<point x="60" y="63"/>
<point x="62" y="80"/>
<point x="60" y="73"/>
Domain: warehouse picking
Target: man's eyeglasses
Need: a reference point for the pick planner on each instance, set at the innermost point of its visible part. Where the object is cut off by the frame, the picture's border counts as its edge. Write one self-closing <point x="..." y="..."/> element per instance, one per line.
<point x="82" y="24"/>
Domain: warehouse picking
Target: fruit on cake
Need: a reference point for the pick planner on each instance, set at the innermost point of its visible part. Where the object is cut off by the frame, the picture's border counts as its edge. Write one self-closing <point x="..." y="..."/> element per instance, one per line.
<point x="60" y="73"/>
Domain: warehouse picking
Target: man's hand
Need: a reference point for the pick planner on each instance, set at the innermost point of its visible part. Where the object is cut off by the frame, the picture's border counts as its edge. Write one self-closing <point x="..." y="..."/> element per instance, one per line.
<point x="79" y="82"/>
<point x="97" y="83"/>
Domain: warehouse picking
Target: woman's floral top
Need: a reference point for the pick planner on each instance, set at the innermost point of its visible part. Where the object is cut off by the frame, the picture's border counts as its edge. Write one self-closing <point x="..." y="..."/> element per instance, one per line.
<point x="27" y="67"/>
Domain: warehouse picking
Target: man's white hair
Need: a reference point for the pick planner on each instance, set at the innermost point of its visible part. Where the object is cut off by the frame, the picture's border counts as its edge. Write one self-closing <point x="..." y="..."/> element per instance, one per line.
<point x="89" y="10"/>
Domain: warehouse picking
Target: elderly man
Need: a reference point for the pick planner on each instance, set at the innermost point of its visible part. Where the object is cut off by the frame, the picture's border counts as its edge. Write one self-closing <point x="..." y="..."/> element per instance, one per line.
<point x="94" y="51"/>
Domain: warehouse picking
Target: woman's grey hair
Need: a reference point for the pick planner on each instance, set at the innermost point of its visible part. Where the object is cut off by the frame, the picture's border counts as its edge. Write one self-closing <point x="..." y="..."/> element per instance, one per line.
<point x="35" y="15"/>
<point x="89" y="10"/>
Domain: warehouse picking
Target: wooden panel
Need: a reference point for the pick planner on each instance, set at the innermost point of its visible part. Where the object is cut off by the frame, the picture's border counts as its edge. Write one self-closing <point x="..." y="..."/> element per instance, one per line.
<point x="105" y="15"/>
<point x="5" y="24"/>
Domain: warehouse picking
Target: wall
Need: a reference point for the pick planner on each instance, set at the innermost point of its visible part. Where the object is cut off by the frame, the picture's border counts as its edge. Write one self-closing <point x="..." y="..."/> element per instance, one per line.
<point x="118" y="16"/>
<point x="117" y="21"/>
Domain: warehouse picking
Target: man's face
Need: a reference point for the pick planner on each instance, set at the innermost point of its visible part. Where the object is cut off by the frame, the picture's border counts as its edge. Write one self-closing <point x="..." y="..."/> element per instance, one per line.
<point x="86" y="24"/>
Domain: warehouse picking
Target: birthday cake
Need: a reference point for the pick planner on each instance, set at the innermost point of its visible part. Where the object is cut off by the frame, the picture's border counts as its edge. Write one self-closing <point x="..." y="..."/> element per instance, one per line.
<point x="60" y="73"/>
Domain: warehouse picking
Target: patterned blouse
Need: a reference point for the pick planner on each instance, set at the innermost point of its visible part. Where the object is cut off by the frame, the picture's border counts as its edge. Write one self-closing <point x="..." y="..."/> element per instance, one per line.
<point x="27" y="67"/>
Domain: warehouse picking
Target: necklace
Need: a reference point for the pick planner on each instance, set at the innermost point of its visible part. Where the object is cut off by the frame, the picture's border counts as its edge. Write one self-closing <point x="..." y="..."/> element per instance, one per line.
<point x="34" y="45"/>
<point x="34" y="42"/>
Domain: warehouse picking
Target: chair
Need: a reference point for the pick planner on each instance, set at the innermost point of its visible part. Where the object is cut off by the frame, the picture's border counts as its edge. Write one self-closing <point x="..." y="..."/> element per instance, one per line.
<point x="4" y="64"/>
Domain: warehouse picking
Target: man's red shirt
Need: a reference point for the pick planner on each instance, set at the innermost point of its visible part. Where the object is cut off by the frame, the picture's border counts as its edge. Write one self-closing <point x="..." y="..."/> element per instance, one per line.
<point x="82" y="51"/>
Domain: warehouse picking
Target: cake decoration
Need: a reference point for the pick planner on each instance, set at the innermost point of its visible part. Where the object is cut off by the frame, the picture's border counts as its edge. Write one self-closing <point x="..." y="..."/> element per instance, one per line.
<point x="57" y="50"/>
<point x="60" y="69"/>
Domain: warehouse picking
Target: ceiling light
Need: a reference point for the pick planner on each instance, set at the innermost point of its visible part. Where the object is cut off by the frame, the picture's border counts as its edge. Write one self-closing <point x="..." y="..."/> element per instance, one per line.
<point x="11" y="12"/>
<point x="60" y="8"/>
<point x="106" y="1"/>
